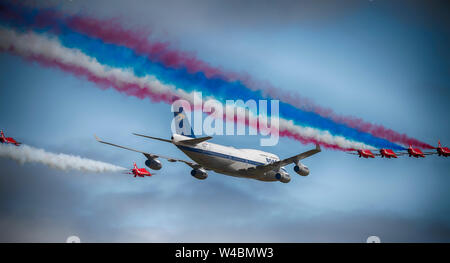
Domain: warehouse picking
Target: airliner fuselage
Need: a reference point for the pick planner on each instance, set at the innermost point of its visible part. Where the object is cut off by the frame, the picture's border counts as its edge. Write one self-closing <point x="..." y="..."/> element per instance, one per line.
<point x="245" y="163"/>
<point x="229" y="160"/>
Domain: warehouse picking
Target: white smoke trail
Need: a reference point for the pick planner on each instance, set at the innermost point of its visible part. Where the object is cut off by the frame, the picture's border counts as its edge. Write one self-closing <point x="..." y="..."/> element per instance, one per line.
<point x="27" y="154"/>
<point x="31" y="44"/>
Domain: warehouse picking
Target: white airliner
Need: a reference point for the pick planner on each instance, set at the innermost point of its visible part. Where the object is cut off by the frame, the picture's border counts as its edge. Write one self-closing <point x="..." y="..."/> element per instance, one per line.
<point x="245" y="163"/>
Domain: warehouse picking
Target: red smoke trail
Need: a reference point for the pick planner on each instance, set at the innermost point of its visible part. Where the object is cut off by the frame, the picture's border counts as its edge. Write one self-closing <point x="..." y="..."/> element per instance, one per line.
<point x="282" y="133"/>
<point x="133" y="89"/>
<point x="310" y="141"/>
<point x="111" y="31"/>
<point x="380" y="131"/>
<point x="286" y="133"/>
<point x="130" y="89"/>
<point x="353" y="122"/>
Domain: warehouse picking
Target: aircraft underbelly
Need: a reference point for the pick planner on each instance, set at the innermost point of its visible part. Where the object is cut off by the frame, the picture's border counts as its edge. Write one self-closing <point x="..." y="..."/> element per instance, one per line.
<point x="207" y="161"/>
<point x="221" y="163"/>
<point x="217" y="163"/>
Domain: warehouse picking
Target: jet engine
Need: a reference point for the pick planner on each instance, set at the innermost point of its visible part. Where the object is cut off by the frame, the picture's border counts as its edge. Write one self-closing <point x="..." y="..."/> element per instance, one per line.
<point x="301" y="169"/>
<point x="153" y="164"/>
<point x="283" y="177"/>
<point x="200" y="173"/>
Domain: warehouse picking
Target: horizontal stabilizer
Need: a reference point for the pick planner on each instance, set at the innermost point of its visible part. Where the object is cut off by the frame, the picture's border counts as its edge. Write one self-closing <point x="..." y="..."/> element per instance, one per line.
<point x="154" y="138"/>
<point x="196" y="140"/>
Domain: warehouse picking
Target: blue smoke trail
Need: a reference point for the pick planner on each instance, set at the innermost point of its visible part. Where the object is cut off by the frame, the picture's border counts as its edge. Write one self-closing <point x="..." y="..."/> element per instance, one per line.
<point x="123" y="57"/>
<point x="126" y="58"/>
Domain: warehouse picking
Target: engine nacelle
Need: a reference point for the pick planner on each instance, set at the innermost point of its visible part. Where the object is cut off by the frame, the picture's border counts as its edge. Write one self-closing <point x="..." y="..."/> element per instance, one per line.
<point x="283" y="177"/>
<point x="301" y="169"/>
<point x="153" y="164"/>
<point x="200" y="174"/>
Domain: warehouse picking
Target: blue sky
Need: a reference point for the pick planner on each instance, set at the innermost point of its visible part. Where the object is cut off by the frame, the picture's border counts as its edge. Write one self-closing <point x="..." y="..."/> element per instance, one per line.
<point x="386" y="64"/>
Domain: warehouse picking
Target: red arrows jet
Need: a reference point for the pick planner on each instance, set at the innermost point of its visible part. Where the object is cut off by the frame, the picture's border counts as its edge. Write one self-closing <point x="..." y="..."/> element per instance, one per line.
<point x="441" y="151"/>
<point x="415" y="152"/>
<point x="364" y="153"/>
<point x="7" y="140"/>
<point x="412" y="152"/>
<point x="141" y="172"/>
<point x="388" y="153"/>
<point x="384" y="153"/>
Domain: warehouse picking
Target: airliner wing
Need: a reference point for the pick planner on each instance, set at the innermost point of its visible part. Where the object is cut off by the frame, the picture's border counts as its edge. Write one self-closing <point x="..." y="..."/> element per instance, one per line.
<point x="152" y="155"/>
<point x="297" y="157"/>
<point x="281" y="163"/>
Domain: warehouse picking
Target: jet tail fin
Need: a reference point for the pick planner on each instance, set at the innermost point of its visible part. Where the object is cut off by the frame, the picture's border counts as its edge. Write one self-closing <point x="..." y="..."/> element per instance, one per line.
<point x="182" y="125"/>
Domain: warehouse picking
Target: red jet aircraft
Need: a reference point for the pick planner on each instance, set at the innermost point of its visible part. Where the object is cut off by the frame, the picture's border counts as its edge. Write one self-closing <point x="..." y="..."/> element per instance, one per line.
<point x="364" y="153"/>
<point x="385" y="153"/>
<point x="415" y="152"/>
<point x="412" y="152"/>
<point x="7" y="140"/>
<point x="388" y="153"/>
<point x="441" y="151"/>
<point x="141" y="172"/>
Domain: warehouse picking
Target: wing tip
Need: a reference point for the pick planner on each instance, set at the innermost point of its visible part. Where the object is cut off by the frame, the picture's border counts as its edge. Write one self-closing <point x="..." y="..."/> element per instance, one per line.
<point x="96" y="138"/>
<point x="318" y="147"/>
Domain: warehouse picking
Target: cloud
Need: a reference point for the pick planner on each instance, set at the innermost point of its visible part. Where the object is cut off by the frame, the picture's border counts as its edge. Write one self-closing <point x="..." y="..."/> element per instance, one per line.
<point x="38" y="204"/>
<point x="178" y="208"/>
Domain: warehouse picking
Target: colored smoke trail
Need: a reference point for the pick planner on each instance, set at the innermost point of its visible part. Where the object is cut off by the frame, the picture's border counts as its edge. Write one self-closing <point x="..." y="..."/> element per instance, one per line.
<point x="49" y="52"/>
<point x="27" y="154"/>
<point x="113" y="32"/>
<point x="353" y="122"/>
<point x="122" y="57"/>
<point x="177" y="68"/>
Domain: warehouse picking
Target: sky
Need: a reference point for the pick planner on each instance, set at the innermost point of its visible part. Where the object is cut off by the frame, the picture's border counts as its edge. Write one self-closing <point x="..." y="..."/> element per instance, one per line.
<point x="387" y="63"/>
